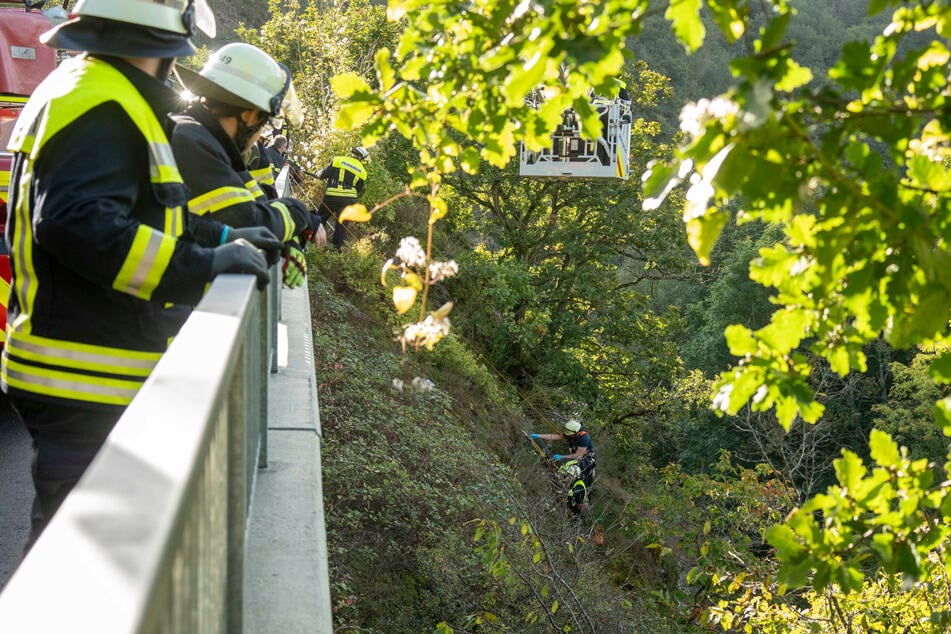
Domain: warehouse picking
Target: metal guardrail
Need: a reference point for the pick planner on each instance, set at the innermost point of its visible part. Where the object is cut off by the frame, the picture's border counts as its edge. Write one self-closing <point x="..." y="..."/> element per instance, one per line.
<point x="152" y="538"/>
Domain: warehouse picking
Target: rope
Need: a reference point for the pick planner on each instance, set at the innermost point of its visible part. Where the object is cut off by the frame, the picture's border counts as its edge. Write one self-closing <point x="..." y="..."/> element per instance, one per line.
<point x="330" y="211"/>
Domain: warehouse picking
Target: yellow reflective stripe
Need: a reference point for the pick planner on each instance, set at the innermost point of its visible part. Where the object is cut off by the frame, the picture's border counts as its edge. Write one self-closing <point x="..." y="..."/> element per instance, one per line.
<point x="174" y="221"/>
<point x="4" y="297"/>
<point x="263" y="175"/>
<point x="77" y="387"/>
<point x="82" y="356"/>
<point x="13" y="99"/>
<point x="218" y="199"/>
<point x="4" y="184"/>
<point x="255" y="189"/>
<point x="22" y="250"/>
<point x="146" y="262"/>
<point x="288" y="221"/>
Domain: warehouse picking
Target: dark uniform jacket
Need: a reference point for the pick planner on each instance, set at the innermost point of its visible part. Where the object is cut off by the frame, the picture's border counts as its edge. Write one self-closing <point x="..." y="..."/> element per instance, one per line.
<point x="261" y="170"/>
<point x="345" y="176"/>
<point x="220" y="184"/>
<point x="99" y="235"/>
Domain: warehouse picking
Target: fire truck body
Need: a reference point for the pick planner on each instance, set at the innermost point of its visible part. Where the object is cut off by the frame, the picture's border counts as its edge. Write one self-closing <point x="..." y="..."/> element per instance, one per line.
<point x="24" y="63"/>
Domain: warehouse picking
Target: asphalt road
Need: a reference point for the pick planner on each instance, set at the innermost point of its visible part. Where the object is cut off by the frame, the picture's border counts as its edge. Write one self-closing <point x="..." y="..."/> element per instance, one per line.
<point x="16" y="490"/>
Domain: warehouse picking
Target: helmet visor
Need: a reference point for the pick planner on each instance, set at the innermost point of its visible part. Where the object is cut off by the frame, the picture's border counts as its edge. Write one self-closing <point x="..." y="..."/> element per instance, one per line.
<point x="291" y="107"/>
<point x="205" y="18"/>
<point x="286" y="105"/>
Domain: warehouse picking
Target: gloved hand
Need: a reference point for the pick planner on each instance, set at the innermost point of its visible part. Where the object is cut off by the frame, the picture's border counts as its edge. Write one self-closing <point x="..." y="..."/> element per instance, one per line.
<point x="240" y="256"/>
<point x="534" y="436"/>
<point x="262" y="238"/>
<point x="315" y="231"/>
<point x="557" y="457"/>
<point x="294" y="267"/>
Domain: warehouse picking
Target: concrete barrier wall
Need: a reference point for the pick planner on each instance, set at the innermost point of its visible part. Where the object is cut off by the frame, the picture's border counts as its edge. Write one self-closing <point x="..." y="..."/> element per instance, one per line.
<point x="152" y="539"/>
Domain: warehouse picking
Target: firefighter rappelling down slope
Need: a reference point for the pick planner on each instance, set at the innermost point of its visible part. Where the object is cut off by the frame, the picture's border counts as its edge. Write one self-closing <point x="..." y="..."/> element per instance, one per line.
<point x="24" y="63"/>
<point x="575" y="477"/>
<point x="572" y="155"/>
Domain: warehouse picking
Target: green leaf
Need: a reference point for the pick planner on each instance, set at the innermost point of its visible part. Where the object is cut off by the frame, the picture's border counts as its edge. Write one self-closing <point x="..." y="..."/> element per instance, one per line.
<point x="940" y="368"/>
<point x="784" y="540"/>
<point x="685" y="16"/>
<point x="908" y="560"/>
<point x="702" y="233"/>
<point x="849" y="470"/>
<point x="348" y="84"/>
<point x="384" y="71"/>
<point x="794" y="77"/>
<point x="469" y="161"/>
<point x="883" y="449"/>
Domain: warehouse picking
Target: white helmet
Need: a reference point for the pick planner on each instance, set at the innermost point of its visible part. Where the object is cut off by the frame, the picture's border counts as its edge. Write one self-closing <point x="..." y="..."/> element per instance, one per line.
<point x="572" y="427"/>
<point x="360" y="152"/>
<point x="177" y="16"/>
<point x="152" y="28"/>
<point x="243" y="75"/>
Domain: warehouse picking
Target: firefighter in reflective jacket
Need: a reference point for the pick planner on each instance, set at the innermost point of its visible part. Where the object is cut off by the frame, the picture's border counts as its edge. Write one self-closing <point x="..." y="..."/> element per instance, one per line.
<point x="346" y="177"/>
<point x="98" y="234"/>
<point x="260" y="168"/>
<point x="576" y="490"/>
<point x="241" y="88"/>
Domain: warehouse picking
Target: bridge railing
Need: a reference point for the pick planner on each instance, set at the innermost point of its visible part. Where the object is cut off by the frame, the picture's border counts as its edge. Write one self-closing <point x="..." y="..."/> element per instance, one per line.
<point x="152" y="539"/>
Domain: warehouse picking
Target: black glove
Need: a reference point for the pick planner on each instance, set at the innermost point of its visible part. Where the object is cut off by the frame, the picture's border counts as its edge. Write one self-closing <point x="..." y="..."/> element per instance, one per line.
<point x="262" y="238"/>
<point x="240" y="256"/>
<point x="313" y="224"/>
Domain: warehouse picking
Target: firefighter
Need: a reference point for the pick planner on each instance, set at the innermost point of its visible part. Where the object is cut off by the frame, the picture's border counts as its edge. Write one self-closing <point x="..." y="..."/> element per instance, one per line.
<point x="260" y="168"/>
<point x="240" y="89"/>
<point x="581" y="447"/>
<point x="576" y="489"/>
<point x="346" y="177"/>
<point x="99" y="238"/>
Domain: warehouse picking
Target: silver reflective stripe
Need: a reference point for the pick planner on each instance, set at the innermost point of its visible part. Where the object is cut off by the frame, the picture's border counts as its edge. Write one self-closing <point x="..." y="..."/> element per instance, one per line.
<point x="175" y="227"/>
<point x="161" y="154"/>
<point x="24" y="238"/>
<point x="146" y="262"/>
<point x="120" y="363"/>
<point x="98" y="388"/>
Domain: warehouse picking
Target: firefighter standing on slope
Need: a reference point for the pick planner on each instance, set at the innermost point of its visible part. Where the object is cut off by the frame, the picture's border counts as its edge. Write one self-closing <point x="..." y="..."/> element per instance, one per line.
<point x="241" y="88"/>
<point x="346" y="177"/>
<point x="99" y="236"/>
<point x="581" y="446"/>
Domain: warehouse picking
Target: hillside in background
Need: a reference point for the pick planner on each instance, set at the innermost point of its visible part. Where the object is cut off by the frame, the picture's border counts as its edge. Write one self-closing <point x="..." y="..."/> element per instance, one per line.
<point x="229" y="15"/>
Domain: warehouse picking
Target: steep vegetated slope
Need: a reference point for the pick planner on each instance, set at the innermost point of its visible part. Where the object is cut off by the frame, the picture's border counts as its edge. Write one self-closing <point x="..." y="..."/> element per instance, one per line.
<point x="439" y="514"/>
<point x="230" y="14"/>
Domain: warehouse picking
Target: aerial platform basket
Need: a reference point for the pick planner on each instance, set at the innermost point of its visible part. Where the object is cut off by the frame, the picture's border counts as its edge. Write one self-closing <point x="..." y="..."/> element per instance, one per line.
<point x="571" y="155"/>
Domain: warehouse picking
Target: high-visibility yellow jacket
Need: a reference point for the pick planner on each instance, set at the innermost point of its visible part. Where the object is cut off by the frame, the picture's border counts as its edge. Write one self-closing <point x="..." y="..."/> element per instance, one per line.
<point x="345" y="177"/>
<point x="100" y="246"/>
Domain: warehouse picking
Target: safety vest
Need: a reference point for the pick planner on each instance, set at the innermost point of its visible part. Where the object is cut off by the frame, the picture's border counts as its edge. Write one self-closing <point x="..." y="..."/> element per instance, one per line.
<point x="37" y="360"/>
<point x="346" y="173"/>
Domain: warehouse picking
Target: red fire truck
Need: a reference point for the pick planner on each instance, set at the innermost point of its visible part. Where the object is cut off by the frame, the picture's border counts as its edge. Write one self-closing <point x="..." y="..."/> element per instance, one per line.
<point x="24" y="63"/>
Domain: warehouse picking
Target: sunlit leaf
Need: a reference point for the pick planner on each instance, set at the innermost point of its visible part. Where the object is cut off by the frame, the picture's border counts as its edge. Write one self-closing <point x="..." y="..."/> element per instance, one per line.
<point x="355" y="213"/>
<point x="403" y="298"/>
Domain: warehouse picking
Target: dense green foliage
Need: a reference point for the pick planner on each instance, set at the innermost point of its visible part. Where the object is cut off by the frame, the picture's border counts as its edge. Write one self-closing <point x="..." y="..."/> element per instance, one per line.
<point x="576" y="298"/>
